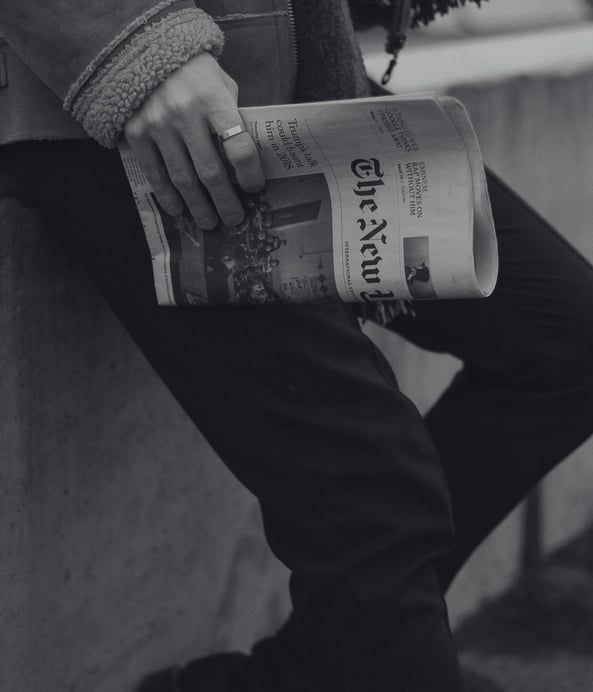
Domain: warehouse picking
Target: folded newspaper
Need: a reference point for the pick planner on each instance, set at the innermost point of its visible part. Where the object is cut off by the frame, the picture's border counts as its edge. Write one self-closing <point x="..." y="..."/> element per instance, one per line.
<point x="365" y="200"/>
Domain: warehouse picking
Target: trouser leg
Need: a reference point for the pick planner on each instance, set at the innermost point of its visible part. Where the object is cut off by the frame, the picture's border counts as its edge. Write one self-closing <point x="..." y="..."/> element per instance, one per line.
<point x="307" y="414"/>
<point x="523" y="399"/>
<point x="524" y="396"/>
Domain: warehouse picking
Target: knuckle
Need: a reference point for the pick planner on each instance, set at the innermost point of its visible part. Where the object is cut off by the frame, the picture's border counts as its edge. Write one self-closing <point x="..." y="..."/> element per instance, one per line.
<point x="183" y="180"/>
<point x="155" y="119"/>
<point x="167" y="200"/>
<point x="184" y="94"/>
<point x="243" y="151"/>
<point x="212" y="175"/>
<point x="135" y="130"/>
<point x="155" y="179"/>
<point x="179" y="108"/>
<point x="162" y="191"/>
<point x="170" y="203"/>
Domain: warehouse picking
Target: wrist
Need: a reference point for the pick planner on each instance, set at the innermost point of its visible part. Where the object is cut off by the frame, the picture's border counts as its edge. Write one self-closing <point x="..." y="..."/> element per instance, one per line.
<point x="118" y="81"/>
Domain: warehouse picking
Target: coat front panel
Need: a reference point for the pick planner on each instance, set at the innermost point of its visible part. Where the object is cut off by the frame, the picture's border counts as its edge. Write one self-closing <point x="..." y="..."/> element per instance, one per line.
<point x="259" y="54"/>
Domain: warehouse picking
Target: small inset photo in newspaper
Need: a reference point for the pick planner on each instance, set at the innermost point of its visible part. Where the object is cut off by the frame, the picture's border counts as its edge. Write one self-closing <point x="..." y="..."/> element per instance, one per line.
<point x="282" y="251"/>
<point x="417" y="268"/>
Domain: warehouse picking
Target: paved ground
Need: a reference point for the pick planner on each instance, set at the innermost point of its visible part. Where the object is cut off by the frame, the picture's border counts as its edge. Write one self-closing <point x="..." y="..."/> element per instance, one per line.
<point x="539" y="636"/>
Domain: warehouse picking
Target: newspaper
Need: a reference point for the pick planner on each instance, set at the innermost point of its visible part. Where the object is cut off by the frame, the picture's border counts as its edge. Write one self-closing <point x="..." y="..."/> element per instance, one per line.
<point x="365" y="200"/>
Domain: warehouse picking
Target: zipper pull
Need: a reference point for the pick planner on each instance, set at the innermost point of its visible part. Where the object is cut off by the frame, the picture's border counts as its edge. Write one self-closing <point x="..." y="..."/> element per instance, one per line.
<point x="389" y="71"/>
<point x="397" y="35"/>
<point x="395" y="45"/>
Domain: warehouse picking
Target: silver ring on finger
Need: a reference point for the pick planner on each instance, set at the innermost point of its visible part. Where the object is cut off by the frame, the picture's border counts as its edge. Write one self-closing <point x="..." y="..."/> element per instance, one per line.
<point x="231" y="132"/>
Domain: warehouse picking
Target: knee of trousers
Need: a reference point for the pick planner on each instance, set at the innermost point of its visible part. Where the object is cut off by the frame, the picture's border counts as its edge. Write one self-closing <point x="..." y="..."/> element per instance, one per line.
<point x="565" y="367"/>
<point x="554" y="386"/>
<point x="558" y="365"/>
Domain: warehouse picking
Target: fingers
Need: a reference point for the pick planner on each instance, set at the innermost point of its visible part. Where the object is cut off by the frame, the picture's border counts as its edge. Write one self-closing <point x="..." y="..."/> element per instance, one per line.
<point x="211" y="170"/>
<point x="242" y="155"/>
<point x="172" y="137"/>
<point x="156" y="173"/>
<point x="240" y="150"/>
<point x="172" y="176"/>
<point x="186" y="182"/>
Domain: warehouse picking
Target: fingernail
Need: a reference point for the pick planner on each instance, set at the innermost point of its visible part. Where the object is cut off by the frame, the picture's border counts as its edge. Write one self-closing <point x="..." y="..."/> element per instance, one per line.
<point x="174" y="209"/>
<point x="208" y="222"/>
<point x="255" y="188"/>
<point x="234" y="219"/>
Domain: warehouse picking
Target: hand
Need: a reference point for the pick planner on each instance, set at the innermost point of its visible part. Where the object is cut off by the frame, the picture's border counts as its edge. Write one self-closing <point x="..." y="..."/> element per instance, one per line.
<point x="171" y="135"/>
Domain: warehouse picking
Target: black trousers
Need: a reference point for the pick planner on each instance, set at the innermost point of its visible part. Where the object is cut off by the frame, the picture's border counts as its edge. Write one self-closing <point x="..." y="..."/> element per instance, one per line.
<point x="358" y="492"/>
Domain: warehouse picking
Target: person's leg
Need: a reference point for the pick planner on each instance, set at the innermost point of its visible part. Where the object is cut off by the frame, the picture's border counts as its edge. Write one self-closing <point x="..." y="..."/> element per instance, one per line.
<point x="524" y="397"/>
<point x="307" y="414"/>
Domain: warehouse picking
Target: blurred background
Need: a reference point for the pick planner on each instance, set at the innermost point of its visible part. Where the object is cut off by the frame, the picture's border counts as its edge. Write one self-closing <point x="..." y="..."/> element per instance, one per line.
<point x="495" y="18"/>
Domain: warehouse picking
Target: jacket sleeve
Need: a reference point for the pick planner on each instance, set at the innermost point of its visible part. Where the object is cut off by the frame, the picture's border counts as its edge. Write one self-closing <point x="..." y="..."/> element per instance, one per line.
<point x="105" y="57"/>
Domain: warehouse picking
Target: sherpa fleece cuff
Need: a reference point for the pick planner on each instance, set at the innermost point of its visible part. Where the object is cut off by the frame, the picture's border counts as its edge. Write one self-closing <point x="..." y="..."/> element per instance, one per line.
<point x="119" y="79"/>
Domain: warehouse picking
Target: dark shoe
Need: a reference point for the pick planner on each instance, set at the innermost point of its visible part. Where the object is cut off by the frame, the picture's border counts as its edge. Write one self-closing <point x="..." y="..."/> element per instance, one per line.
<point x="219" y="673"/>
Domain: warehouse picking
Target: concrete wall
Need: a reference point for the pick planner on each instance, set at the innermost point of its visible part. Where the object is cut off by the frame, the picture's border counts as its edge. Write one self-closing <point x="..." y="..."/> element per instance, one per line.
<point x="125" y="544"/>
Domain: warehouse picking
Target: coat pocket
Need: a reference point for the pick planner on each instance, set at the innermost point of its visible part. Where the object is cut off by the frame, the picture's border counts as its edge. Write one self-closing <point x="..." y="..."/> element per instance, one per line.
<point x="259" y="49"/>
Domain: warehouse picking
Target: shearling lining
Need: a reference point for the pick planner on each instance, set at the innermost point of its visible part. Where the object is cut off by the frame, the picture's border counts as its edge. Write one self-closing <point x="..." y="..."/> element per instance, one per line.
<point x="108" y="100"/>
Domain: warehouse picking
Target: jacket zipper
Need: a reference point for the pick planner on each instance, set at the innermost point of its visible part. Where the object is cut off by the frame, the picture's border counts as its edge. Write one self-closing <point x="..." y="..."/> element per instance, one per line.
<point x="396" y="37"/>
<point x="292" y="25"/>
